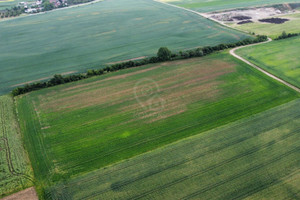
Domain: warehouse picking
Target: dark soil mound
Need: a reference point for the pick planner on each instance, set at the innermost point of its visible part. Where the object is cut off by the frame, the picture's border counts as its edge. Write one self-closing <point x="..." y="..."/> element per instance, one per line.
<point x="274" y="20"/>
<point x="241" y="17"/>
<point x="245" y="22"/>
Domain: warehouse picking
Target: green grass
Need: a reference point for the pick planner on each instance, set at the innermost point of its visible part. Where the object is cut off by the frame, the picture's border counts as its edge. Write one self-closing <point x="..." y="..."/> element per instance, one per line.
<point x="79" y="127"/>
<point x="273" y="30"/>
<point x="88" y="36"/>
<point x="280" y="58"/>
<point x="254" y="158"/>
<point x="217" y="5"/>
<point x="15" y="170"/>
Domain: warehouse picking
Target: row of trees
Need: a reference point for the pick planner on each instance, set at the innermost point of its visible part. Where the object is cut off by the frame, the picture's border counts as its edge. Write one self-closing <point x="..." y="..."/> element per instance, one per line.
<point x="47" y="5"/>
<point x="163" y="54"/>
<point x="13" y="12"/>
<point x="285" y="35"/>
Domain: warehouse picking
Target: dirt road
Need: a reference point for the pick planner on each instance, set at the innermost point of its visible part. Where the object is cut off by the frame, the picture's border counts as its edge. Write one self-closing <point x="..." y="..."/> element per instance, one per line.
<point x="232" y="52"/>
<point x="28" y="194"/>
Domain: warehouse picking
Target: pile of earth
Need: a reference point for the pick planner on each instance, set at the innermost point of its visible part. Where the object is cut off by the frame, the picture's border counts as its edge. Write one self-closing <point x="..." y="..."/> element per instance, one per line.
<point x="241" y="17"/>
<point x="245" y="22"/>
<point x="274" y="20"/>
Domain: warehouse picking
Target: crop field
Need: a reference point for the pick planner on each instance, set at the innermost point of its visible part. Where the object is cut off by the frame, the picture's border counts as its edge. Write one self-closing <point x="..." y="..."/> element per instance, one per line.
<point x="280" y="58"/>
<point x="4" y="4"/>
<point x="79" y="127"/>
<point x="254" y="158"/>
<point x="15" y="170"/>
<point x="273" y="30"/>
<point x="73" y="40"/>
<point x="217" y="5"/>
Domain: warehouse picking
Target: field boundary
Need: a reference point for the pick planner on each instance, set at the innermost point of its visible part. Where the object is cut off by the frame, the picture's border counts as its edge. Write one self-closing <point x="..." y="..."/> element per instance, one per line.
<point x="28" y="193"/>
<point x="232" y="52"/>
<point x="206" y="16"/>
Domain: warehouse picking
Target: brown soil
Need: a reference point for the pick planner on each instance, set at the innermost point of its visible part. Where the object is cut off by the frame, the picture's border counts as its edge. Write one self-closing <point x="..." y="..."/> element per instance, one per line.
<point x="240" y="18"/>
<point x="28" y="194"/>
<point x="177" y="88"/>
<point x="245" y="22"/>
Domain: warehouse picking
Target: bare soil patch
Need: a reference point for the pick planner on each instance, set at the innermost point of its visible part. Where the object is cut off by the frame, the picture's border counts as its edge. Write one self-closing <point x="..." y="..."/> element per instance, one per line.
<point x="262" y="14"/>
<point x="245" y="22"/>
<point x="241" y="17"/>
<point x="274" y="20"/>
<point x="27" y="194"/>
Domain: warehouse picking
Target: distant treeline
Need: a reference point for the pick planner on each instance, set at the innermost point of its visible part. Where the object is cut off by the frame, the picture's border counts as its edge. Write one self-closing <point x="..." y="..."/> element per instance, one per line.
<point x="285" y="35"/>
<point x="164" y="54"/>
<point x="13" y="12"/>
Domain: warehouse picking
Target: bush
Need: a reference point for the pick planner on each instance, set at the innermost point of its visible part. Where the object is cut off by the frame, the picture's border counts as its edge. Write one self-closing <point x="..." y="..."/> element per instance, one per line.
<point x="164" y="54"/>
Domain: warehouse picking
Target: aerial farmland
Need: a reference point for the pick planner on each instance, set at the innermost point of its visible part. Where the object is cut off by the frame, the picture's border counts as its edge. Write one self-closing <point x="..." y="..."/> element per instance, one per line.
<point x="33" y="42"/>
<point x="149" y="99"/>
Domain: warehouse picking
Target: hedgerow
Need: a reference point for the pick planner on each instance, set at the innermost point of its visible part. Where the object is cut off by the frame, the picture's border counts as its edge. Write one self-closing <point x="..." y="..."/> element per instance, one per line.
<point x="163" y="55"/>
<point x="285" y="35"/>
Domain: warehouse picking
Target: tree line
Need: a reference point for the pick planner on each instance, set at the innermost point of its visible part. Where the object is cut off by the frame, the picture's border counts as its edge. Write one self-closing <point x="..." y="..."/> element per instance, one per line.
<point x="163" y="54"/>
<point x="13" y="12"/>
<point x="285" y="35"/>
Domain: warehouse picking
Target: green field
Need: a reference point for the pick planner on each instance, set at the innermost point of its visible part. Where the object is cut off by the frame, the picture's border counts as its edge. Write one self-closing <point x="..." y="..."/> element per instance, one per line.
<point x="254" y="158"/>
<point x="73" y="40"/>
<point x="273" y="30"/>
<point x="83" y="126"/>
<point x="15" y="170"/>
<point x="280" y="58"/>
<point x="4" y="4"/>
<point x="217" y="5"/>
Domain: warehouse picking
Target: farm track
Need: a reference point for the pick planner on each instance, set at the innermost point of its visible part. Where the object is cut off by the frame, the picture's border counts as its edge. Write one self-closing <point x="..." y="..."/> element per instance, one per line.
<point x="232" y="52"/>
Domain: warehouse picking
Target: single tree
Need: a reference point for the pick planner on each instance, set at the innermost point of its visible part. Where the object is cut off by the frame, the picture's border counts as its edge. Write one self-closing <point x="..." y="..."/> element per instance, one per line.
<point x="164" y="54"/>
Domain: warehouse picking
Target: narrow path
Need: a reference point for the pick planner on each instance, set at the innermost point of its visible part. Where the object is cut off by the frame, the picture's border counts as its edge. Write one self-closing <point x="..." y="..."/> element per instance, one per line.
<point x="232" y="52"/>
